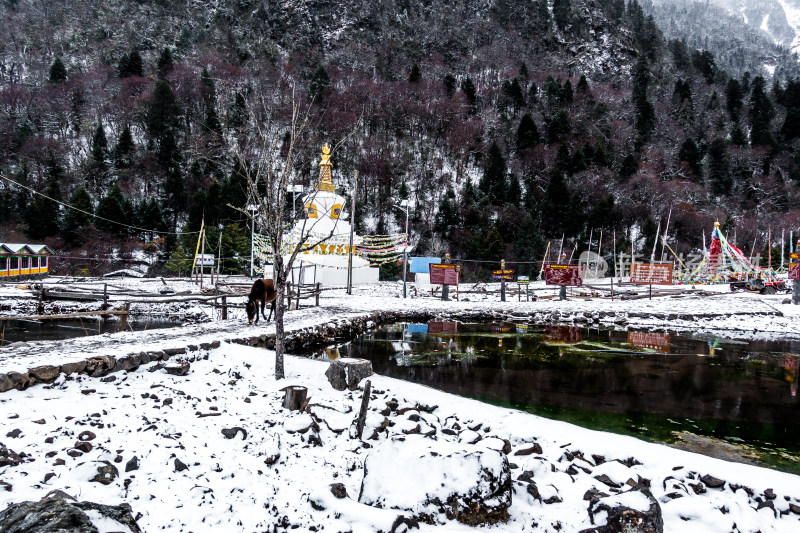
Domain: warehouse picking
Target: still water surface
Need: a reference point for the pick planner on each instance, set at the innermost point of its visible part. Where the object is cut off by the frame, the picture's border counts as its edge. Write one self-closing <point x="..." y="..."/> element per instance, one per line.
<point x="50" y="330"/>
<point x="656" y="386"/>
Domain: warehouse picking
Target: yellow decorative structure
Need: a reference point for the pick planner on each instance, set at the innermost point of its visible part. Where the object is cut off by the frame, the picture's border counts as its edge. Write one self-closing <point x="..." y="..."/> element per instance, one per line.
<point x="325" y="180"/>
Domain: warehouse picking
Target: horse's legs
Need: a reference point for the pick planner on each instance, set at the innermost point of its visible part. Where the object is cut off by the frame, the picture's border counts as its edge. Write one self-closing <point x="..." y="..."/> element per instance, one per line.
<point x="271" y="309"/>
<point x="263" y="304"/>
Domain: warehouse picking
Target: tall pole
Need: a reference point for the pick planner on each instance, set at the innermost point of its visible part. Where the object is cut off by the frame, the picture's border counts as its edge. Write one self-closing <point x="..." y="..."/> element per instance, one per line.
<point x="350" y="248"/>
<point x="252" y="240"/>
<point x="202" y="254"/>
<point x="405" y="255"/>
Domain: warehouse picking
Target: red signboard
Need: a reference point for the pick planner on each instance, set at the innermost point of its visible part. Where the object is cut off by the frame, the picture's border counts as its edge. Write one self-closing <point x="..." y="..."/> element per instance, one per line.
<point x="444" y="274"/>
<point x="503" y="274"/>
<point x="651" y="273"/>
<point x="794" y="270"/>
<point x="568" y="275"/>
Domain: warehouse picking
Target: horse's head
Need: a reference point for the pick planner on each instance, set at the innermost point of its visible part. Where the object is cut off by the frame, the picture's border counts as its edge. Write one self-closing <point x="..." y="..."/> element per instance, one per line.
<point x="252" y="311"/>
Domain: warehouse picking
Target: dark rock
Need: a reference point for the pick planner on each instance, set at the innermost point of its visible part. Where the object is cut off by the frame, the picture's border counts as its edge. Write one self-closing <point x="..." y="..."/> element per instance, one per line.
<point x="51" y="454"/>
<point x="14" y="433"/>
<point x="593" y="495"/>
<point x="40" y="421"/>
<point x="231" y="433"/>
<point x="769" y="494"/>
<point x="712" y="482"/>
<point x="624" y="519"/>
<point x="5" y="383"/>
<point x="181" y="368"/>
<point x="106" y="473"/>
<point x="84" y="446"/>
<point x="535" y="449"/>
<point x="132" y="465"/>
<point x="533" y="490"/>
<point x="87" y="435"/>
<point x="49" y="440"/>
<point x="598" y="459"/>
<point x="100" y="366"/>
<point x="45" y="373"/>
<point x="525" y="477"/>
<point x="698" y="488"/>
<point x="48" y="476"/>
<point x="86" y="392"/>
<point x="19" y="381"/>
<point x="5" y="486"/>
<point x="347" y="373"/>
<point x="793" y="507"/>
<point x="339" y="490"/>
<point x="9" y="457"/>
<point x="603" y="478"/>
<point x="179" y="466"/>
<point x="169" y="352"/>
<point x="60" y="512"/>
<point x="74" y="453"/>
<point x="553" y="499"/>
<point x="76" y="367"/>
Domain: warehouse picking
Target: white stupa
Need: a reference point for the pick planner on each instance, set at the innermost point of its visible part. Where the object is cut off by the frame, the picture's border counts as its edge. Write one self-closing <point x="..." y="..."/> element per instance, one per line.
<point x="327" y="234"/>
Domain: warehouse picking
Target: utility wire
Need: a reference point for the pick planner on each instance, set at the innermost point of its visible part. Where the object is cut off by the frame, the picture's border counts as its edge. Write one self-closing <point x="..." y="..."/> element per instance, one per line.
<point x="147" y="230"/>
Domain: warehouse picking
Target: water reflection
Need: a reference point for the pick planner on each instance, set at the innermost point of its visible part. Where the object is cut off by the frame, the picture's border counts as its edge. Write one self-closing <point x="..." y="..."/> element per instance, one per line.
<point x="649" y="383"/>
<point x="48" y="330"/>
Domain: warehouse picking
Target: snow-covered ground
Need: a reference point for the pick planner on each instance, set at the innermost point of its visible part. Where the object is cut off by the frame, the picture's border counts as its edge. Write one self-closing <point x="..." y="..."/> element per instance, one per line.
<point x="279" y="469"/>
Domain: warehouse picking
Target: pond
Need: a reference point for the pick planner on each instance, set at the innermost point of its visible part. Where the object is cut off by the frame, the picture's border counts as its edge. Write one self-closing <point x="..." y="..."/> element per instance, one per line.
<point x="50" y="330"/>
<point x="657" y="386"/>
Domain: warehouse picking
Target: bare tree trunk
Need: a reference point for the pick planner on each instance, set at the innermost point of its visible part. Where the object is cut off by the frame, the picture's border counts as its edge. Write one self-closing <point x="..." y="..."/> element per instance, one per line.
<point x="279" y="278"/>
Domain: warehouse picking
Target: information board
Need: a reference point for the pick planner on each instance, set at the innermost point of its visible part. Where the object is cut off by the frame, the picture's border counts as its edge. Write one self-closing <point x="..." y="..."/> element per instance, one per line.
<point x="567" y="275"/>
<point x="503" y="274"/>
<point x="444" y="274"/>
<point x="205" y="260"/>
<point x="794" y="270"/>
<point x="651" y="273"/>
<point x="523" y="280"/>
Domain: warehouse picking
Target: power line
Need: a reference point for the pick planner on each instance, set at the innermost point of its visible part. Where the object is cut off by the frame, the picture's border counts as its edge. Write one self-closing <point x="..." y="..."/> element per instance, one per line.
<point x="147" y="230"/>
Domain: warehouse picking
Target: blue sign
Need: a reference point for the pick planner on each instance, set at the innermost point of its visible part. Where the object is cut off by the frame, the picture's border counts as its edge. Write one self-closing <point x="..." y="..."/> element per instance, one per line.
<point x="419" y="265"/>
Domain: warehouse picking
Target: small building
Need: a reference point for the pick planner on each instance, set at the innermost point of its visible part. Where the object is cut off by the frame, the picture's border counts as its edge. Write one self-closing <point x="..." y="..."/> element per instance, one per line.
<point x="24" y="259"/>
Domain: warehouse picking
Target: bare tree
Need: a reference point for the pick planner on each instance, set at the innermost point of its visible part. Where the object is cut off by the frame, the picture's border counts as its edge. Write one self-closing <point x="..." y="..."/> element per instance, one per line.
<point x="267" y="156"/>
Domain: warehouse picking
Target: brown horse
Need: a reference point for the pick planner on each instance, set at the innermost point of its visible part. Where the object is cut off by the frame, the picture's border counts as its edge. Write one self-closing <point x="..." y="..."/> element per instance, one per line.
<point x="263" y="292"/>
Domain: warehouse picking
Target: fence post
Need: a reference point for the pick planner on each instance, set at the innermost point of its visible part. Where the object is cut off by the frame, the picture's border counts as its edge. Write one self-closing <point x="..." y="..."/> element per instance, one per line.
<point x="318" y="290"/>
<point x="224" y="308"/>
<point x="124" y="321"/>
<point x="105" y="296"/>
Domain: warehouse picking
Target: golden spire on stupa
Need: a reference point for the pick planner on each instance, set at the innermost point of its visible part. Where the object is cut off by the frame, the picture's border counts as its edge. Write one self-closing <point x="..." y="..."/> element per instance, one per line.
<point x="325" y="181"/>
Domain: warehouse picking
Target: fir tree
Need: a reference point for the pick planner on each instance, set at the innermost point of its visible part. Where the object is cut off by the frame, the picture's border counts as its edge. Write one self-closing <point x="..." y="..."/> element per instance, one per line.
<point x="415" y="75"/>
<point x="562" y="13"/>
<point x="114" y="212"/>
<point x="450" y="85"/>
<point x="719" y="167"/>
<point x="493" y="182"/>
<point x="629" y="167"/>
<point x="468" y="88"/>
<point x="80" y="217"/>
<point x="165" y="63"/>
<point x="124" y="149"/>
<point x="320" y="85"/>
<point x="690" y="153"/>
<point x="58" y="72"/>
<point x="237" y="115"/>
<point x="99" y="146"/>
<point x="527" y="133"/>
<point x="556" y="205"/>
<point x="583" y="85"/>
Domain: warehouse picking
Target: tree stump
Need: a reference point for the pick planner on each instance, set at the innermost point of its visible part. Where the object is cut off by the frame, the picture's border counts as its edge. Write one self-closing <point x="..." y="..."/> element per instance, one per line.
<point x="294" y="397"/>
<point x="347" y="372"/>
